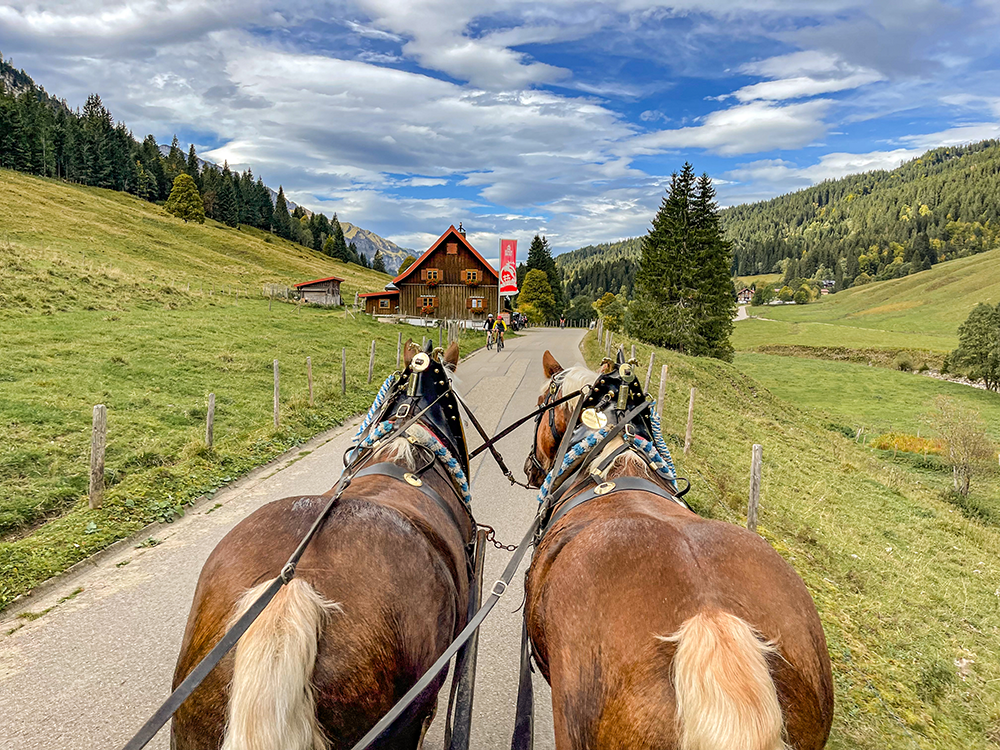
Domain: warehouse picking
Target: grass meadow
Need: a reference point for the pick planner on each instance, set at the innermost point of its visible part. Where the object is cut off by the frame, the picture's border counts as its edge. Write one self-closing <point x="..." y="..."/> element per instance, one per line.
<point x="905" y="583"/>
<point x="918" y="312"/>
<point x="107" y="299"/>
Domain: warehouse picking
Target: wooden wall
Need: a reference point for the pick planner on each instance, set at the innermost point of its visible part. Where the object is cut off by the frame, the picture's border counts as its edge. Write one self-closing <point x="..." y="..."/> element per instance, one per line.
<point x="451" y="291"/>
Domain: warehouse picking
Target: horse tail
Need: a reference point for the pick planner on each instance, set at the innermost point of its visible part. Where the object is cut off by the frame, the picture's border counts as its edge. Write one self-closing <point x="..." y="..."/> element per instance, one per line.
<point x="724" y="691"/>
<point x="272" y="705"/>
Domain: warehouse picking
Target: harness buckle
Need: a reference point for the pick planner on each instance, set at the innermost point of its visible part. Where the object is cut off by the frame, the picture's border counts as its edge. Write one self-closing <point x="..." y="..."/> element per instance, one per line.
<point x="502" y="586"/>
<point x="403" y="411"/>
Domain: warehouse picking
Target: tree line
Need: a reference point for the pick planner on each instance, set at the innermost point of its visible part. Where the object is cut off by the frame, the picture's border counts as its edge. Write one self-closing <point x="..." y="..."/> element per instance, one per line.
<point x="41" y="135"/>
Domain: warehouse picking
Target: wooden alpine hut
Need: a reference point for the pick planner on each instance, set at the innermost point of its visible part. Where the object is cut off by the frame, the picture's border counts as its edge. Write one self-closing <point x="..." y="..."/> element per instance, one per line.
<point x="450" y="281"/>
<point x="321" y="291"/>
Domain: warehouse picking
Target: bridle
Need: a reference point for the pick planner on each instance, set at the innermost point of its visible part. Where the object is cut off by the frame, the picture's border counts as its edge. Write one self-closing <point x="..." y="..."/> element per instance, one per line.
<point x="551" y="396"/>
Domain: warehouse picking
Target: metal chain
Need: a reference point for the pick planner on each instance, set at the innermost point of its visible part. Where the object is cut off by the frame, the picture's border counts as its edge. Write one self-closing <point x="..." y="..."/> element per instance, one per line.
<point x="491" y="537"/>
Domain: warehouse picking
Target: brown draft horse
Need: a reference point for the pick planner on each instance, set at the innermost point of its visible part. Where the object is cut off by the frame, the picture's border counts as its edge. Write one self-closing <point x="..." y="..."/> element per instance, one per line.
<point x="379" y="593"/>
<point x="660" y="629"/>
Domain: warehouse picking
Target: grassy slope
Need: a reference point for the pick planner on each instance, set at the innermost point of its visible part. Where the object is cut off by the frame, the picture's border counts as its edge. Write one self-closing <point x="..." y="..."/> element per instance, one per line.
<point x="72" y="229"/>
<point x="77" y="332"/>
<point x="922" y="311"/>
<point x="904" y="583"/>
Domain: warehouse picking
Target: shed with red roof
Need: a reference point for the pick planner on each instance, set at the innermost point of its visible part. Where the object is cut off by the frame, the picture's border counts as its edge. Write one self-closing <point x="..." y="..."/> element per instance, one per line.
<point x="321" y="291"/>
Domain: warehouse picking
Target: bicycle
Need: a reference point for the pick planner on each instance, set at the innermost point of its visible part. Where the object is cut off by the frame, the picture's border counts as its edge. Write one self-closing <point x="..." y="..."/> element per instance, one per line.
<point x="499" y="342"/>
<point x="489" y="338"/>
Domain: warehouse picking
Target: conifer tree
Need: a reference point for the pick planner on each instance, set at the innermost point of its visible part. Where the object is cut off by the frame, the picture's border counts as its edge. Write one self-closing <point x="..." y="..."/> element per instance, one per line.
<point x="192" y="166"/>
<point x="265" y="208"/>
<point x="378" y="262"/>
<point x="540" y="258"/>
<point x="683" y="296"/>
<point x="339" y="248"/>
<point x="185" y="200"/>
<point x="226" y="209"/>
<point x="280" y="220"/>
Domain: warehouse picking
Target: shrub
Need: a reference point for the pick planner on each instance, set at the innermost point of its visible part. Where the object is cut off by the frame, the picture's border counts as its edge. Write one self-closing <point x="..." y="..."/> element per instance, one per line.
<point x="903" y="362"/>
<point x="924" y="367"/>
<point x="901" y="441"/>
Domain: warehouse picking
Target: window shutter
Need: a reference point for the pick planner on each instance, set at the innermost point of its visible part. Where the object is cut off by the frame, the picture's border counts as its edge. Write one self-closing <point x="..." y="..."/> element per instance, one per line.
<point x="452" y="248"/>
<point x="435" y="302"/>
<point x="468" y="303"/>
<point x="423" y="273"/>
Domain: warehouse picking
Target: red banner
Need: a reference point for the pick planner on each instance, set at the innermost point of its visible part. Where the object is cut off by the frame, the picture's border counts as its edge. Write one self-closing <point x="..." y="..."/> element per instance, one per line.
<point x="508" y="266"/>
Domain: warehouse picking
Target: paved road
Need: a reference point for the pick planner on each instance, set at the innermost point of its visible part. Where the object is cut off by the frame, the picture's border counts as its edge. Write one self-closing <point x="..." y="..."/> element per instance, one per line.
<point x="87" y="674"/>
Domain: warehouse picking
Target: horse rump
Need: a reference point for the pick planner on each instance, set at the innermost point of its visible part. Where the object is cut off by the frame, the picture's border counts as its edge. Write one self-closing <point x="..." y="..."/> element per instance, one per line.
<point x="725" y="696"/>
<point x="272" y="704"/>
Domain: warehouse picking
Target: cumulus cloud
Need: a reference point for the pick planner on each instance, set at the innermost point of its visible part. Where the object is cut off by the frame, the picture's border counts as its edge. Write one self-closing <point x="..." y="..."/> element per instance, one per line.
<point x="744" y="129"/>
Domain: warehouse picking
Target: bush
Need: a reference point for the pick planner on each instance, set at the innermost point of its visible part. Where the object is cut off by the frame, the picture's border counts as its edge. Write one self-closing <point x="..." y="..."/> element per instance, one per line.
<point x="903" y="362"/>
<point x="924" y="367"/>
<point x="901" y="441"/>
<point x="801" y="297"/>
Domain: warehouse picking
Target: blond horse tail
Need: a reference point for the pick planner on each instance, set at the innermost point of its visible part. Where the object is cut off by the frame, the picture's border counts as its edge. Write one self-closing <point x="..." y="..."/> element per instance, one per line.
<point x="726" y="698"/>
<point x="272" y="705"/>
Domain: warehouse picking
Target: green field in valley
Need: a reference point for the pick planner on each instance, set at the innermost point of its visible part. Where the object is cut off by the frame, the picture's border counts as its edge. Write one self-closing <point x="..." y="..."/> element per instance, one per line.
<point x="905" y="583"/>
<point x="918" y="312"/>
<point x="95" y="308"/>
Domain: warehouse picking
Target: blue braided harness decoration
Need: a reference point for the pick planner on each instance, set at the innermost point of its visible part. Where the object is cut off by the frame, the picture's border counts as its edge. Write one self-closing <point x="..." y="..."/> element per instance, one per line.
<point x="655" y="452"/>
<point x="423" y="438"/>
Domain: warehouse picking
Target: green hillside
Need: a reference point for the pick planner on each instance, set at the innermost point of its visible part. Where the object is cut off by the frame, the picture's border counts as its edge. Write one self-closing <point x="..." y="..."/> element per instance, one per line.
<point x="920" y="312"/>
<point x="905" y="583"/>
<point x="54" y="233"/>
<point x="106" y="299"/>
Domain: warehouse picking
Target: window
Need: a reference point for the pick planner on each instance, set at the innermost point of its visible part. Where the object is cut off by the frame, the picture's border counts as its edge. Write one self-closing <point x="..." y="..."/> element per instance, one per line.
<point x="427" y="301"/>
<point x="471" y="274"/>
<point x="476" y="304"/>
<point x="452" y="248"/>
<point x="384" y="303"/>
<point x="432" y="275"/>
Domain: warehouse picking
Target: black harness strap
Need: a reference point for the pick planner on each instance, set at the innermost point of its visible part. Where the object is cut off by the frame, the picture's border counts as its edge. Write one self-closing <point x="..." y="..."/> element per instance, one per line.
<point x="639" y="484"/>
<point x="442" y="662"/>
<point x="511" y="427"/>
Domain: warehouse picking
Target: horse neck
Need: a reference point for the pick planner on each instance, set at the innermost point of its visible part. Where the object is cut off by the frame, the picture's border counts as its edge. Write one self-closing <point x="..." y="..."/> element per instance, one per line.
<point x="628" y="464"/>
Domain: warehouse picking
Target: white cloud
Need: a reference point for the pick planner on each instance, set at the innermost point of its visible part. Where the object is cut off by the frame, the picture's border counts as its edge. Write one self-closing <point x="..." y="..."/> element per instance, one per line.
<point x="956" y="136"/>
<point x="743" y="129"/>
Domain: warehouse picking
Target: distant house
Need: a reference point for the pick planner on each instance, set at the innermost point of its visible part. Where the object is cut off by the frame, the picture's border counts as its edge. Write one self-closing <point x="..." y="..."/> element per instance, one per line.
<point x="744" y="295"/>
<point x="321" y="291"/>
<point x="450" y="280"/>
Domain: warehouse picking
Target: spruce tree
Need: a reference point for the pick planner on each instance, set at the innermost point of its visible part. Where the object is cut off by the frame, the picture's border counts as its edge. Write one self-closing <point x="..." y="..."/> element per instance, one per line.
<point x="192" y="166"/>
<point x="683" y="286"/>
<point x="540" y="258"/>
<point x="339" y="248"/>
<point x="185" y="200"/>
<point x="265" y="207"/>
<point x="378" y="262"/>
<point x="226" y="209"/>
<point x="280" y="220"/>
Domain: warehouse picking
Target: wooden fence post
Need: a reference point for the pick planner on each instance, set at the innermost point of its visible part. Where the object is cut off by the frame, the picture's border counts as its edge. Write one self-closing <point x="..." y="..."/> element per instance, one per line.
<point x="343" y="371"/>
<point x="371" y="362"/>
<point x="632" y="355"/>
<point x="440" y="331"/>
<point x="690" y="427"/>
<point x="309" y="377"/>
<point x="758" y="456"/>
<point x="210" y="421"/>
<point x="98" y="442"/>
<point x="399" y="348"/>
<point x="277" y="421"/>
<point x="649" y="371"/>
<point x="663" y="386"/>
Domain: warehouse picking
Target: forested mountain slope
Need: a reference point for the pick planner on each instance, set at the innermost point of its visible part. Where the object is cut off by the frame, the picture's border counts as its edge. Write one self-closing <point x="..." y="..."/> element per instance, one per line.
<point x="877" y="225"/>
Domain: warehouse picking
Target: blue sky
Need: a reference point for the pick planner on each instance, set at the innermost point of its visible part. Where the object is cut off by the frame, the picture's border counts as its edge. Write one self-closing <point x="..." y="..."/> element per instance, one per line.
<point x="560" y="117"/>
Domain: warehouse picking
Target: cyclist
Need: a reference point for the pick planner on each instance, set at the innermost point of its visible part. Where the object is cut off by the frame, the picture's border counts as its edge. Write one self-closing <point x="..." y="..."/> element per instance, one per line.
<point x="488" y="325"/>
<point x="500" y="326"/>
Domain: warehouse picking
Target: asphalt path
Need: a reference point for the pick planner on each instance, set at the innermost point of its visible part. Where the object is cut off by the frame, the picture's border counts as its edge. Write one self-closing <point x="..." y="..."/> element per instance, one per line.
<point x="86" y="674"/>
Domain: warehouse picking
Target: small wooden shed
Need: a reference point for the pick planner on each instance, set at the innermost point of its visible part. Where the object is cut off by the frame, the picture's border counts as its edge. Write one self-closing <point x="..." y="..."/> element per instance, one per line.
<point x="321" y="291"/>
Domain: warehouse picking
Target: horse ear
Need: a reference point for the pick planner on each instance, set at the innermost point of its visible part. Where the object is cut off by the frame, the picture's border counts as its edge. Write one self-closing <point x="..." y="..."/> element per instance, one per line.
<point x="451" y="356"/>
<point x="409" y="349"/>
<point x="549" y="364"/>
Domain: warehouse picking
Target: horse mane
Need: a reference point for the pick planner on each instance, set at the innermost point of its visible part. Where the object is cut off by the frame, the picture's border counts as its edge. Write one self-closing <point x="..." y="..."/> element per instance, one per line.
<point x="401" y="450"/>
<point x="572" y="379"/>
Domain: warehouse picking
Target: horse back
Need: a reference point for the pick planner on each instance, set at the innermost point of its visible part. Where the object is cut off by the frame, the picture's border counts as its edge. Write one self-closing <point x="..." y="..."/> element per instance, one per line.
<point x="396" y="575"/>
<point x="620" y="573"/>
